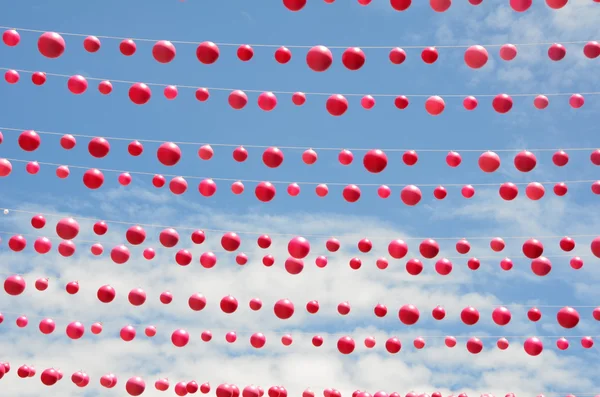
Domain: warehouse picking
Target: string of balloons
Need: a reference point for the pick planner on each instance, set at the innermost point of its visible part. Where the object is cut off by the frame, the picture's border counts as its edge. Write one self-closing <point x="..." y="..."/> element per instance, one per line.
<point x="533" y="346"/>
<point x="567" y="316"/>
<point x="374" y="160"/>
<point x="336" y="104"/>
<point x="265" y="191"/>
<point x="437" y="5"/>
<point x="38" y="221"/>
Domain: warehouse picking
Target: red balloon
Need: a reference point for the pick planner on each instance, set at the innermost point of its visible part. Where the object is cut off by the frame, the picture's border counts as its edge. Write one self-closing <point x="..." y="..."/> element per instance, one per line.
<point x="429" y="55"/>
<point x="139" y="93"/>
<point x="562" y="344"/>
<point x="520" y="5"/>
<point x="41" y="284"/>
<point x="408" y="314"/>
<point x="489" y="162"/>
<point x="180" y="337"/>
<point x="319" y="58"/>
<point x="474" y="346"/>
<point x="501" y="316"/>
<point x="576" y="101"/>
<point x="170" y="92"/>
<point x="135" y="386"/>
<point x="414" y="267"/>
<point x="231" y="337"/>
<point x="435" y="105"/>
<point x="508" y="191"/>
<point x="525" y="161"/>
<point x="91" y="44"/>
<point x="560" y="158"/>
<point x="567" y="317"/>
<point x="283" y="55"/>
<point x="32" y="167"/>
<point x="351" y="193"/>
<point x="93" y="178"/>
<point x="294" y="266"/>
<point x="272" y="157"/>
<point x="393" y="345"/>
<point x="258" y="340"/>
<point x="11" y="76"/>
<point x="127" y="47"/>
<point x="397" y="249"/>
<point x="163" y="51"/>
<point x="137" y="297"/>
<point x="106" y="294"/>
<point x="29" y="141"/>
<point x="230" y="241"/>
<point x="567" y="244"/>
<point x="208" y="260"/>
<point x="533" y="346"/>
<point x="463" y="246"/>
<point x="369" y="342"/>
<point x="467" y="191"/>
<point x="127" y="333"/>
<point x="429" y="248"/>
<point x="100" y="228"/>
<point x="245" y="53"/>
<point x="119" y="254"/>
<point x="238" y="99"/>
<point x="535" y="191"/>
<point x="202" y="94"/>
<point x="14" y="285"/>
<point x="207" y="52"/>
<point x="77" y="84"/>
<point x="375" y="161"/>
<point x="49" y="377"/>
<point x="168" y="154"/>
<point x="105" y="87"/>
<point x="294" y="5"/>
<point x="591" y="49"/>
<point x="17" y="243"/>
<point x="169" y="237"/>
<point x="299" y="247"/>
<point x="534" y="314"/>
<point x="197" y="302"/>
<point x="557" y="52"/>
<point x="265" y="191"/>
<point x="67" y="142"/>
<point x="346" y="345"/>
<point x="51" y="45"/>
<point x="556" y="4"/>
<point x="560" y="189"/>
<point x="470" y="103"/>
<point x="410" y="195"/>
<point x="75" y="330"/>
<point x="541" y="102"/>
<point x="384" y="191"/>
<point x="400" y="5"/>
<point x="283" y="309"/>
<point x="38" y="78"/>
<point x="502" y="103"/>
<point x="476" y="56"/>
<point x="541" y="266"/>
<point x="443" y="267"/>
<point x="367" y="102"/>
<point x="440" y="5"/>
<point x="178" y="185"/>
<point x="469" y="315"/>
<point x="207" y="187"/>
<point x="576" y="263"/>
<point x="337" y="105"/>
<point x="267" y="101"/>
<point x="587" y="342"/>
<point x="401" y="102"/>
<point x="353" y="58"/>
<point x="533" y="248"/>
<point x="11" y="37"/>
<point x="42" y="245"/>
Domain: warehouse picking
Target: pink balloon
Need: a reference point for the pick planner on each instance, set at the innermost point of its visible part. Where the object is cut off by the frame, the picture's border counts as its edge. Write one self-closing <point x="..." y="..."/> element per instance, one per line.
<point x="520" y="5"/>
<point x="410" y="195"/>
<point x="533" y="346"/>
<point x="238" y="99"/>
<point x="470" y="103"/>
<point x="298" y="98"/>
<point x="170" y="92"/>
<point x="576" y="101"/>
<point x="77" y="84"/>
<point x="353" y="58"/>
<point x="267" y="101"/>
<point x="140" y="93"/>
<point x="508" y="52"/>
<point x="476" y="56"/>
<point x="435" y="105"/>
<point x="337" y="105"/>
<point x="557" y="52"/>
<point x="51" y="45"/>
<point x="541" y="102"/>
<point x="319" y="58"/>
<point x="367" y="102"/>
<point x="180" y="337"/>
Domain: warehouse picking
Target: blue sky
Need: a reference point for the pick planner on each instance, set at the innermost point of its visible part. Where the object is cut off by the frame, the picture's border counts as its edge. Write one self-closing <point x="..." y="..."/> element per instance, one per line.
<point x="52" y="108"/>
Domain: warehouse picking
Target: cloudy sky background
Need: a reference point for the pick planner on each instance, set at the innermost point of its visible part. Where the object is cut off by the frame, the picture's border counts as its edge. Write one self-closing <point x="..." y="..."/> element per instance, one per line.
<point x="53" y="108"/>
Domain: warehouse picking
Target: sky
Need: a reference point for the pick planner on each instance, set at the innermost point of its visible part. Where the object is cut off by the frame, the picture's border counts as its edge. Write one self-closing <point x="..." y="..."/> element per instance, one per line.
<point x="53" y="108"/>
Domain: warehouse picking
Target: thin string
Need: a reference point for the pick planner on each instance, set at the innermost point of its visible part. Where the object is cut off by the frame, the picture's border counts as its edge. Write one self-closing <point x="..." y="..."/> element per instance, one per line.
<point x="376" y="237"/>
<point x="308" y="93"/>
<point x="291" y="46"/>
<point x="110" y="138"/>
<point x="298" y="183"/>
<point x="299" y="332"/>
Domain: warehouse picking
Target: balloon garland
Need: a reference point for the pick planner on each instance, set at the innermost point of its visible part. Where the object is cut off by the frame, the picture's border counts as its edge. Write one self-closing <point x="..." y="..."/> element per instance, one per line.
<point x="336" y="104"/>
<point x="374" y="160"/>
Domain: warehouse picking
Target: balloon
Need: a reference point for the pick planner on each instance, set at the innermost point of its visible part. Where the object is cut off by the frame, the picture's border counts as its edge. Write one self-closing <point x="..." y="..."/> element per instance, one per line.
<point x="137" y="297"/>
<point x="283" y="309"/>
<point x="299" y="247"/>
<point x="11" y="76"/>
<point x="135" y="386"/>
<point x="541" y="102"/>
<point x="127" y="333"/>
<point x="51" y="45"/>
<point x="560" y="158"/>
<point x="418" y="343"/>
<point x="408" y="314"/>
<point x="162" y="384"/>
<point x="576" y="101"/>
<point x="591" y="49"/>
<point x="240" y="154"/>
<point x="41" y="284"/>
<point x="268" y="260"/>
<point x="230" y="337"/>
<point x="42" y="245"/>
<point x="375" y="161"/>
<point x="353" y="58"/>
<point x="556" y="52"/>
<point x="283" y="55"/>
<point x="120" y="254"/>
<point x="467" y="191"/>
<point x="17" y="243"/>
<point x="351" y="193"/>
<point x="11" y="37"/>
<point x="230" y="241"/>
<point x="245" y="53"/>
<point x="587" y="342"/>
<point x="294" y="265"/>
<point x="294" y="5"/>
<point x="429" y="55"/>
<point x="380" y="310"/>
<point x="180" y="337"/>
<point x="401" y="102"/>
<point x="576" y="263"/>
<point x="508" y="191"/>
<point x="337" y="105"/>
<point x="91" y="44"/>
<point x="567" y="244"/>
<point x="429" y="248"/>
<point x="207" y="187"/>
<point x="14" y="285"/>
<point x="506" y="264"/>
<point x="62" y="172"/>
<point x="319" y="58"/>
<point x="525" y="161"/>
<point x="533" y="248"/>
<point x="343" y="308"/>
<point x="105" y="87"/>
<point x="96" y="328"/>
<point x="257" y="340"/>
<point x="560" y="189"/>
<point x="435" y="105"/>
<point x="139" y="93"/>
<point x="163" y="51"/>
<point x="556" y="4"/>
<point x="267" y="101"/>
<point x="440" y="193"/>
<point x="106" y="294"/>
<point x="535" y="191"/>
<point x="272" y="157"/>
<point x="208" y="260"/>
<point x="49" y="377"/>
<point x="202" y="94"/>
<point x="400" y="5"/>
<point x="150" y="331"/>
<point x="125" y="178"/>
<point x="127" y="47"/>
<point x="75" y="330"/>
<point x="410" y="195"/>
<point x="470" y="102"/>
<point x="67" y="142"/>
<point x="170" y="92"/>
<point x="474" y="346"/>
<point x="567" y="317"/>
<point x="265" y="191"/>
<point x="149" y="253"/>
<point x="443" y="267"/>
<point x="367" y="102"/>
<point x="298" y="98"/>
<point x="463" y="246"/>
<point x="228" y="304"/>
<point x="469" y="315"/>
<point x="321" y="261"/>
<point x="534" y="314"/>
<point x="453" y="159"/>
<point x="393" y="345"/>
<point x="501" y="316"/>
<point x="414" y="267"/>
<point x="533" y="346"/>
<point x="384" y="191"/>
<point x="541" y="266"/>
<point x="502" y="103"/>
<point x="255" y="304"/>
<point x="346" y="345"/>
<point x="562" y="344"/>
<point x="197" y="302"/>
<point x="77" y="84"/>
<point x="502" y="344"/>
<point x="22" y="322"/>
<point x="29" y="141"/>
<point x="38" y="78"/>
<point x="32" y="167"/>
<point x="489" y="162"/>
<point x="476" y="56"/>
<point x="520" y="5"/>
<point x="207" y="52"/>
<point x="158" y="181"/>
<point x="100" y="228"/>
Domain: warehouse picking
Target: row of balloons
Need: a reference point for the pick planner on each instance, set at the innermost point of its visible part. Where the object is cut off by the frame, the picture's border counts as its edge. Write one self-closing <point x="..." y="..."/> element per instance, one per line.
<point x="319" y="58"/>
<point x="336" y="104"/>
<point x="345" y="344"/>
<point x="120" y="254"/>
<point x="68" y="229"/>
<point x="265" y="191"/>
<point x="437" y="5"/>
<point x="567" y="317"/>
<point x="374" y="160"/>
